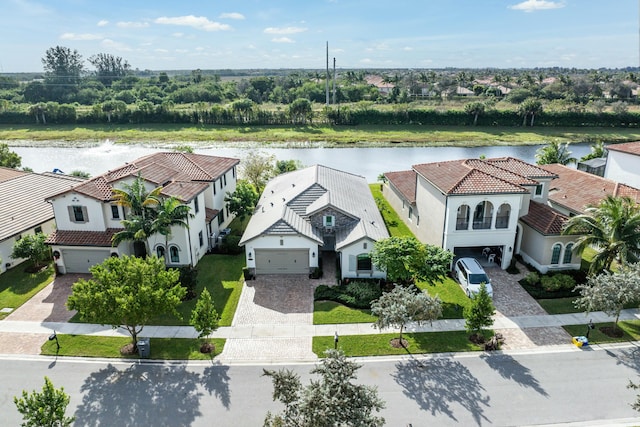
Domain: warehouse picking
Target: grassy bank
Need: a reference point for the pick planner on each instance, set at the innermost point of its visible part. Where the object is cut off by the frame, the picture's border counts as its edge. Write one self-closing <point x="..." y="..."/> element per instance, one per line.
<point x="320" y="135"/>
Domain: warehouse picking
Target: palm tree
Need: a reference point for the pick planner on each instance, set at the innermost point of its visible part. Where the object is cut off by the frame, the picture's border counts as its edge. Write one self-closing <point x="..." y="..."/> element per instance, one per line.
<point x="612" y="228"/>
<point x="530" y="106"/>
<point x="170" y="212"/>
<point x="597" y="151"/>
<point x="475" y="108"/>
<point x="555" y="152"/>
<point x="140" y="203"/>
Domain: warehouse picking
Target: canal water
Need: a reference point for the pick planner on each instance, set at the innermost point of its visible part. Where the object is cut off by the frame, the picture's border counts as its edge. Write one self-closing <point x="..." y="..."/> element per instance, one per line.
<point x="368" y="162"/>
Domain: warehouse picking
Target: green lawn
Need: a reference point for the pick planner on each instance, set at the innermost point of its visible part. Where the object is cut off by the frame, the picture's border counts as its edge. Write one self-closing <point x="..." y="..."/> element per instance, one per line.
<point x="559" y="305"/>
<point x="395" y="226"/>
<point x="222" y="276"/>
<point x="329" y="313"/>
<point x="371" y="135"/>
<point x="631" y="329"/>
<point x="109" y="347"/>
<point x="378" y="344"/>
<point x="454" y="300"/>
<point x="18" y="286"/>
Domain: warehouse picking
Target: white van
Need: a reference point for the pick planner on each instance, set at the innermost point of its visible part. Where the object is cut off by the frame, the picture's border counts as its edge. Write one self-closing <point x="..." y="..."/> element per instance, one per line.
<point x="470" y="274"/>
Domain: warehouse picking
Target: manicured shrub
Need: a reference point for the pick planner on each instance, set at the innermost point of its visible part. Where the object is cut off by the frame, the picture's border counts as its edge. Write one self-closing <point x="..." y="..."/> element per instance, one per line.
<point x="356" y="294"/>
<point x="532" y="278"/>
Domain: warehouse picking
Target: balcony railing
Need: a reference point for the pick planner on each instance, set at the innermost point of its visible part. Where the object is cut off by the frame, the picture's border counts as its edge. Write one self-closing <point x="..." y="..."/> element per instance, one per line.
<point x="482" y="224"/>
<point x="502" y="221"/>
<point x="462" y="224"/>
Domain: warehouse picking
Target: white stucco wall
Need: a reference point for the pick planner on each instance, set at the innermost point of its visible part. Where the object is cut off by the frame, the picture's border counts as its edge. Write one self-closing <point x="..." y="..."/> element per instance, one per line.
<point x="95" y="212"/>
<point x="537" y="250"/>
<point x="348" y="261"/>
<point x="623" y="168"/>
<point x="431" y="204"/>
<point x="6" y="246"/>
<point x="288" y="242"/>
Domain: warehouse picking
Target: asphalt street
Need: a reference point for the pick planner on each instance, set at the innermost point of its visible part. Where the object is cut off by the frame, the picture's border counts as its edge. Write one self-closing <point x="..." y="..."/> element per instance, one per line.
<point x="563" y="385"/>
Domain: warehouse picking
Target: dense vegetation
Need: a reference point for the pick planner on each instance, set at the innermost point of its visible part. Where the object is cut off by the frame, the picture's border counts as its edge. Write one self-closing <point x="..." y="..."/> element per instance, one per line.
<point x="113" y="92"/>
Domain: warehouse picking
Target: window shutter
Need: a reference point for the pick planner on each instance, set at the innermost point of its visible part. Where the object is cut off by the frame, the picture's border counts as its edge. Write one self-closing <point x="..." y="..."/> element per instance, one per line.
<point x="72" y="217"/>
<point x="352" y="262"/>
<point x="85" y="214"/>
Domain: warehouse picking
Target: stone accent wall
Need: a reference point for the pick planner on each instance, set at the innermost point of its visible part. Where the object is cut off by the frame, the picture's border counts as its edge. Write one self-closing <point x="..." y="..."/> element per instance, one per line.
<point x="341" y="220"/>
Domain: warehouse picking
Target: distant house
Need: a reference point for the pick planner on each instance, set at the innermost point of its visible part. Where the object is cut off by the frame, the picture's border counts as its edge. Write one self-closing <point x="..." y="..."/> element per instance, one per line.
<point x="315" y="211"/>
<point x="24" y="209"/>
<point x="383" y="87"/>
<point x="463" y="91"/>
<point x="87" y="216"/>
<point x="623" y="162"/>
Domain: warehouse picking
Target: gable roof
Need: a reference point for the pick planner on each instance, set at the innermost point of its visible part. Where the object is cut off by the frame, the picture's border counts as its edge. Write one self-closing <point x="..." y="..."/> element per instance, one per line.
<point x="627" y="147"/>
<point x="178" y="173"/>
<point x="8" y="173"/>
<point x="478" y="176"/>
<point x="544" y="219"/>
<point x="24" y="203"/>
<point x="575" y="190"/>
<point x="290" y="199"/>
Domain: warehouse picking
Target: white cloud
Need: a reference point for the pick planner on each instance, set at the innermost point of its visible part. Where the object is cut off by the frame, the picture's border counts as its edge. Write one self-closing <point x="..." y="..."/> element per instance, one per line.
<point x="161" y="50"/>
<point x="284" y="30"/>
<point x="197" y="22"/>
<point x="282" y="40"/>
<point x="178" y="35"/>
<point x="199" y="48"/>
<point x="132" y="24"/>
<point x="407" y="48"/>
<point x="84" y="36"/>
<point x="103" y="23"/>
<point x="110" y="44"/>
<point x="533" y="5"/>
<point x="231" y="15"/>
<point x="182" y="50"/>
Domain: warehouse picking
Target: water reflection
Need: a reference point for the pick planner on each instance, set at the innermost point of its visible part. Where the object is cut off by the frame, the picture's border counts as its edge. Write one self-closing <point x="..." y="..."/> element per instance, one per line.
<point x="368" y="162"/>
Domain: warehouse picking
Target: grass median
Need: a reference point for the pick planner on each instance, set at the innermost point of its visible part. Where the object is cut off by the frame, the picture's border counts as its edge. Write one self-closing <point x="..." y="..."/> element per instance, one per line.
<point x="630" y="332"/>
<point x="109" y="347"/>
<point x="418" y="343"/>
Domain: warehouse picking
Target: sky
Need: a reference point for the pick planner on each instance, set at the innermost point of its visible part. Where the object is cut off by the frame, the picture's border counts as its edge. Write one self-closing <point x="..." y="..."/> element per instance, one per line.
<point x="367" y="34"/>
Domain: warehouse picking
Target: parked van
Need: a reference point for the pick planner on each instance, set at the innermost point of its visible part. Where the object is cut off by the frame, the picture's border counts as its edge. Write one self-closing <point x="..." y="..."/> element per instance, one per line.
<point x="470" y="274"/>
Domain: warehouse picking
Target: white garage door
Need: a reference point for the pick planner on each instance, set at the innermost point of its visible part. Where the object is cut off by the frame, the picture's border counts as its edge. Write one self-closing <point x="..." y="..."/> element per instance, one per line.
<point x="282" y="261"/>
<point x="79" y="261"/>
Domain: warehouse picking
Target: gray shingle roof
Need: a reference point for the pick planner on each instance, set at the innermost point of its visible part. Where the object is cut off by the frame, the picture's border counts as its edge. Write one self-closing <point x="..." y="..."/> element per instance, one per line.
<point x="289" y="199"/>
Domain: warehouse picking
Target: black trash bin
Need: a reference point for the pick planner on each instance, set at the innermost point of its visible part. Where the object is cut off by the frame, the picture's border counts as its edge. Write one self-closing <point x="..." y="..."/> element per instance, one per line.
<point x="144" y="347"/>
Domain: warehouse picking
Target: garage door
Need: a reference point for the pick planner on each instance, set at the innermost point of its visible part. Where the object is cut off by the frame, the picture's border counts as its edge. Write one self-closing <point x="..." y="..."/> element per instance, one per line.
<point x="79" y="261"/>
<point x="290" y="261"/>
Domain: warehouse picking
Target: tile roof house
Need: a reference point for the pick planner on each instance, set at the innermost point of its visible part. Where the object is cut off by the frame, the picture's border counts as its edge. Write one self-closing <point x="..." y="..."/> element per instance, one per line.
<point x="493" y="207"/>
<point x="24" y="209"/>
<point x="87" y="216"/>
<point x="310" y="211"/>
<point x="622" y="163"/>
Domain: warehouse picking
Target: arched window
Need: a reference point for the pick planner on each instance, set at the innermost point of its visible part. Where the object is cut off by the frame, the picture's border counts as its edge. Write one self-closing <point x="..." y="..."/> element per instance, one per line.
<point x="364" y="262"/>
<point x="174" y="254"/>
<point x="555" y="255"/>
<point x="462" y="219"/>
<point x="502" y="217"/>
<point x="482" y="216"/>
<point x="160" y="251"/>
<point x="568" y="252"/>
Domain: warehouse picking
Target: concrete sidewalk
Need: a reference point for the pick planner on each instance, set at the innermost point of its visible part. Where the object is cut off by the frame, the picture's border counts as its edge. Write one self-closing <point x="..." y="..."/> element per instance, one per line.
<point x="298" y="331"/>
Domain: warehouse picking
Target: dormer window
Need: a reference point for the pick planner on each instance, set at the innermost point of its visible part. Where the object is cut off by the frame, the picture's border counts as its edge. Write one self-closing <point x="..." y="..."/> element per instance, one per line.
<point x="328" y="220"/>
<point x="538" y="192"/>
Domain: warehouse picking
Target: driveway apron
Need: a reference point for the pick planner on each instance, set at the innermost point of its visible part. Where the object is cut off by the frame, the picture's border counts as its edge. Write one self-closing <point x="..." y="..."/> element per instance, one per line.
<point x="511" y="300"/>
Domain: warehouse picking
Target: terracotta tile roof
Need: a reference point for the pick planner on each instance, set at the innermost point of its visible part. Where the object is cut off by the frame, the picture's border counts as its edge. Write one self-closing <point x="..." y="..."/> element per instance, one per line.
<point x="470" y="177"/>
<point x="519" y="167"/>
<point x="210" y="214"/>
<point x="8" y="173"/>
<point x="183" y="190"/>
<point x="405" y="183"/>
<point x="23" y="201"/>
<point x="544" y="219"/>
<point x="627" y="147"/>
<point x="82" y="238"/>
<point x="160" y="169"/>
<point x="575" y="190"/>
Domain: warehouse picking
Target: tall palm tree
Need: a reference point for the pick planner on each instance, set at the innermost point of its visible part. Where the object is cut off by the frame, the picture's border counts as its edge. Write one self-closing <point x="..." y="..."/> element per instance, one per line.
<point x="140" y="202"/>
<point x="555" y="152"/>
<point x="170" y="212"/>
<point x="612" y="228"/>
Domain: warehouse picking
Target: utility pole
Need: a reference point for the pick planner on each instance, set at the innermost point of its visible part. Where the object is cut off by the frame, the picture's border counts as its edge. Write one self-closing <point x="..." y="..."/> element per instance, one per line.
<point x="334" y="81"/>
<point x="327" y="76"/>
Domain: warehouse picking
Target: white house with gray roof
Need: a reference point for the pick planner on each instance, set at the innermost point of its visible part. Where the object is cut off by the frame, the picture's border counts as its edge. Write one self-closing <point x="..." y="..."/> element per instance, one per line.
<point x="311" y="211"/>
<point x="87" y="216"/>
<point x="24" y="209"/>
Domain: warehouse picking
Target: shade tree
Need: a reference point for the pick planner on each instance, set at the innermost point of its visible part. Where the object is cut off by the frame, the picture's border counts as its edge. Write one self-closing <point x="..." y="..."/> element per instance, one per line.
<point x="46" y="408"/>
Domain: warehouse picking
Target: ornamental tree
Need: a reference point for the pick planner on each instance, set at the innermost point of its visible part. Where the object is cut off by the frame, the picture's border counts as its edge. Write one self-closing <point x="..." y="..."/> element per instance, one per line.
<point x="204" y="317"/>
<point x="479" y="314"/>
<point x="405" y="304"/>
<point x="44" y="409"/>
<point x="34" y="248"/>
<point x="405" y="260"/>
<point x="127" y="292"/>
<point x="610" y="292"/>
<point x="333" y="400"/>
<point x="242" y="202"/>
